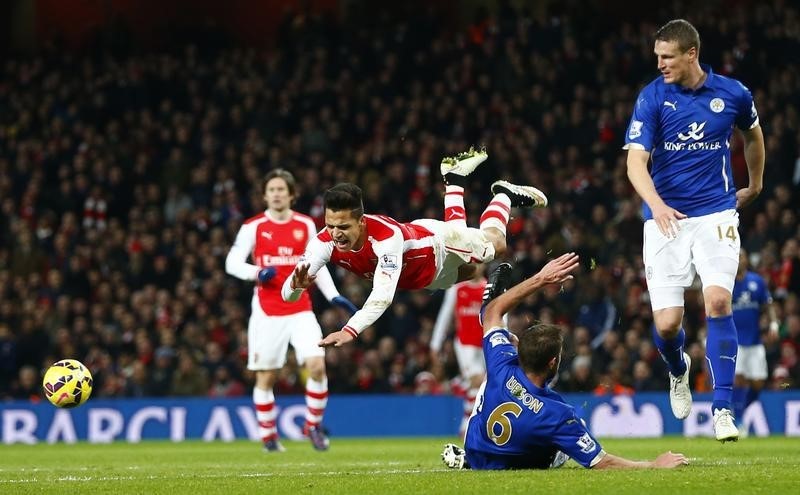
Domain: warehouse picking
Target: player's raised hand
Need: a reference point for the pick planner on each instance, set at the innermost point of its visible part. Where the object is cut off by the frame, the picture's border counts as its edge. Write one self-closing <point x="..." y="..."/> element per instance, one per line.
<point x="300" y="277"/>
<point x="337" y="339"/>
<point x="670" y="460"/>
<point x="745" y="196"/>
<point x="559" y="270"/>
<point x="667" y="220"/>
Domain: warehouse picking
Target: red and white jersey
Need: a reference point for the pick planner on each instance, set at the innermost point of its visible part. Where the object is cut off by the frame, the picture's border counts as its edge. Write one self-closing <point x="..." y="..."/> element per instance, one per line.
<point x="464" y="300"/>
<point x="387" y="242"/>
<point x="394" y="255"/>
<point x="280" y="244"/>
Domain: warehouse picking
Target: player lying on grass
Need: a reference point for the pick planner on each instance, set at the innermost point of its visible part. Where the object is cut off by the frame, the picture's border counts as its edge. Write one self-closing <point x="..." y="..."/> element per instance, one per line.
<point x="519" y="422"/>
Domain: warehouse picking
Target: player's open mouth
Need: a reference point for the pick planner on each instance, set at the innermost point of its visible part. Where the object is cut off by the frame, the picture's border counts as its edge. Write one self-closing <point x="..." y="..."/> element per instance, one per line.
<point x="341" y="244"/>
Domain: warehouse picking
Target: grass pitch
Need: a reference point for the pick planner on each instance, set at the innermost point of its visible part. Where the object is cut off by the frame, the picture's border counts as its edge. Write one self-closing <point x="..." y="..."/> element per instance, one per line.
<point x="381" y="465"/>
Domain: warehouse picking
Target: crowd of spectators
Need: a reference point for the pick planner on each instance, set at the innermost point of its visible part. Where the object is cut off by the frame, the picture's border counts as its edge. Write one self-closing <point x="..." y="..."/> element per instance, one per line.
<point x="124" y="178"/>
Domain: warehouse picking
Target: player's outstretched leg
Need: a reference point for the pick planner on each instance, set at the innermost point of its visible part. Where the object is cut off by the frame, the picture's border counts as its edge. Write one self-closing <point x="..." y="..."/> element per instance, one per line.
<point x="520" y="196"/>
<point x="455" y="168"/>
<point x="498" y="282"/>
<point x="454" y="457"/>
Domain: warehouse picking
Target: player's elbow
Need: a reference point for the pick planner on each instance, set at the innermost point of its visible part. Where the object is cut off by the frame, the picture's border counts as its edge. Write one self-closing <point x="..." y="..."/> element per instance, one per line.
<point x="493" y="315"/>
<point x="229" y="264"/>
<point x="377" y="305"/>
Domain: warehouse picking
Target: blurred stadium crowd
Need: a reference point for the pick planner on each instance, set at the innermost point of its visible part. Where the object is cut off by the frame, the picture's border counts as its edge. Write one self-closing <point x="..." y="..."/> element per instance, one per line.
<point x="124" y="178"/>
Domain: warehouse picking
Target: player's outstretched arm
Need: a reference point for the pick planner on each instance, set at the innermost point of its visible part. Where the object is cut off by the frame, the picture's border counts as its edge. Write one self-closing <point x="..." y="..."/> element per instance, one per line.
<point x="555" y="272"/>
<point x="667" y="460"/>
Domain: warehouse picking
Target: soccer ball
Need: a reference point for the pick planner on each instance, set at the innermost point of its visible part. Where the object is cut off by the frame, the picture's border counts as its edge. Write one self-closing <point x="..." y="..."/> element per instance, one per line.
<point x="67" y="383"/>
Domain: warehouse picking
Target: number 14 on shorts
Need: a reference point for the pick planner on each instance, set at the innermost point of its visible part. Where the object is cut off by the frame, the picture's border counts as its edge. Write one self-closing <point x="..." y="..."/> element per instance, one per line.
<point x="726" y="232"/>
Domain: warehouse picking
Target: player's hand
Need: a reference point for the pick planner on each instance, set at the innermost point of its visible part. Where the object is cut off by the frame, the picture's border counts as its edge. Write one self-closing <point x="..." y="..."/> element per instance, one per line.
<point x="745" y="196"/>
<point x="266" y="274"/>
<point x="300" y="277"/>
<point x="774" y="329"/>
<point x="667" y="220"/>
<point x="336" y="339"/>
<point x="670" y="460"/>
<point x="345" y="304"/>
<point x="558" y="270"/>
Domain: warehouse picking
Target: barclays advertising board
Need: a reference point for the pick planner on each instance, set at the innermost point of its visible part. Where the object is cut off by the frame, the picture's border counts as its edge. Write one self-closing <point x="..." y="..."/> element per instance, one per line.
<point x="99" y="421"/>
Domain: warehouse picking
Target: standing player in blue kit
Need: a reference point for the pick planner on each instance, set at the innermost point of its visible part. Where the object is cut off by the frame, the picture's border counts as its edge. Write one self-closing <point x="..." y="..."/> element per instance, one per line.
<point x="681" y="127"/>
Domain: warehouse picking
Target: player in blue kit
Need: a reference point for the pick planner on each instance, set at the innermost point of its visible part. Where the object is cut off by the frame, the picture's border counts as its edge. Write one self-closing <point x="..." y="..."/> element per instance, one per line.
<point x="519" y="422"/>
<point x="750" y="295"/>
<point x="681" y="127"/>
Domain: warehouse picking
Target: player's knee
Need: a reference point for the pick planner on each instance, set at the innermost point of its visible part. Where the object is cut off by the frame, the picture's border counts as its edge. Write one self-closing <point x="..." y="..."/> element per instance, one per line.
<point x="500" y="246"/>
<point x="717" y="301"/>
<point x="316" y="368"/>
<point x="668" y="322"/>
<point x="497" y="238"/>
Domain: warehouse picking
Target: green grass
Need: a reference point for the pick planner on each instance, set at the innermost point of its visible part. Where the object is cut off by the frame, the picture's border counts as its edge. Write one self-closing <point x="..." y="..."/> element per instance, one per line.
<point x="395" y="466"/>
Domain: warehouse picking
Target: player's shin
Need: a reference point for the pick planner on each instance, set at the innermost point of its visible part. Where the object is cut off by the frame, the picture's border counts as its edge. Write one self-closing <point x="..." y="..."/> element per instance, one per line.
<point x="671" y="351"/>
<point x="721" y="351"/>
<point x="738" y="400"/>
<point x="266" y="414"/>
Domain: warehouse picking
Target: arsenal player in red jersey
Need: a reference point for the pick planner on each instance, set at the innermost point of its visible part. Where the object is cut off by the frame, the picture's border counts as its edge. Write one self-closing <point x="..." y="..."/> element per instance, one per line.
<point x="461" y="308"/>
<point x="423" y="254"/>
<point x="275" y="240"/>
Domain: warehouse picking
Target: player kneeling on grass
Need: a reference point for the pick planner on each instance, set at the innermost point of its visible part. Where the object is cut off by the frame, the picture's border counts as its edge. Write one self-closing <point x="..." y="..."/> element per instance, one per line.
<point x="519" y="422"/>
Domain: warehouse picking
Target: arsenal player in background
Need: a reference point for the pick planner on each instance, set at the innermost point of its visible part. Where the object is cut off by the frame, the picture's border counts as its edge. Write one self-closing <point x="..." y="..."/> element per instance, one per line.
<point x="274" y="241"/>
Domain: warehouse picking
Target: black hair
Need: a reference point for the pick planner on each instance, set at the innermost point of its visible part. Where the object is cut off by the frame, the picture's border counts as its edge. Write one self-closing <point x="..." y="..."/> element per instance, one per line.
<point x="344" y="196"/>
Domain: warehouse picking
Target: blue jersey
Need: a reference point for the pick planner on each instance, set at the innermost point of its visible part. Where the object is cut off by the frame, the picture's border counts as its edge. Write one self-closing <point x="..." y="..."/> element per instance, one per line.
<point x="519" y="425"/>
<point x="688" y="133"/>
<point x="749" y="294"/>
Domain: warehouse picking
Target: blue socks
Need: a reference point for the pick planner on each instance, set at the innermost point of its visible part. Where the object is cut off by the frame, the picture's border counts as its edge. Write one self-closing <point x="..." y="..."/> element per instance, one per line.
<point x="721" y="349"/>
<point x="742" y="398"/>
<point x="671" y="351"/>
<point x="739" y="401"/>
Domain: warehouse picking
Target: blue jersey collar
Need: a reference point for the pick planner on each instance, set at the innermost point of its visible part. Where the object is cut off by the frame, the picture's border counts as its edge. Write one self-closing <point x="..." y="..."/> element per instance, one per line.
<point x="709" y="83"/>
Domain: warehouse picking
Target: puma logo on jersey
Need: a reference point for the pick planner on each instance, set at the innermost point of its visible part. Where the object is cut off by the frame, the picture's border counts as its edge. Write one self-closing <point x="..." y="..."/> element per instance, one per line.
<point x="673" y="106"/>
<point x="267" y="235"/>
<point x="455" y="214"/>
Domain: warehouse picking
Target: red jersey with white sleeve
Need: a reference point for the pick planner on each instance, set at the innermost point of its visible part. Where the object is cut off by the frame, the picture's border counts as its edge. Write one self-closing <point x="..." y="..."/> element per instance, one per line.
<point x="464" y="300"/>
<point x="394" y="255"/>
<point x="280" y="244"/>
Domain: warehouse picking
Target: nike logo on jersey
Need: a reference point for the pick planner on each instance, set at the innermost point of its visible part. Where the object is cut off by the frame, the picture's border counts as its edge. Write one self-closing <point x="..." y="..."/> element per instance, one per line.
<point x="268" y="235"/>
<point x="674" y="106"/>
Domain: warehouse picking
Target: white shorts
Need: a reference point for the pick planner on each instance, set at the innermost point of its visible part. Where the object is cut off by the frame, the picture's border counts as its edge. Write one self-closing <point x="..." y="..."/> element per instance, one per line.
<point x="707" y="246"/>
<point x="470" y="360"/>
<point x="751" y="362"/>
<point x="456" y="246"/>
<point x="268" y="338"/>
